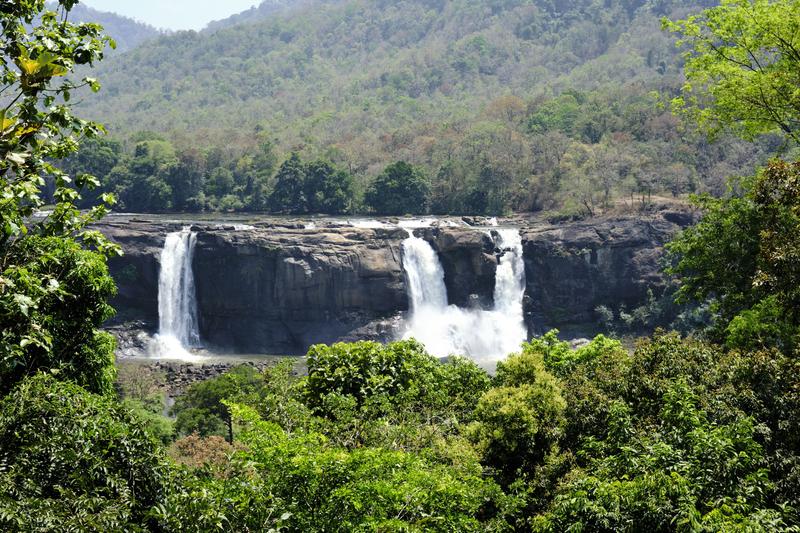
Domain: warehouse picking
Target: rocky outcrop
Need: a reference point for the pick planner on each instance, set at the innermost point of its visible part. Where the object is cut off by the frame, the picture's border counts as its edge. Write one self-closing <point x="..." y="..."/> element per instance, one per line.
<point x="279" y="287"/>
<point x="275" y="289"/>
<point x="573" y="268"/>
<point x="469" y="260"/>
<point x="179" y="376"/>
<point x="287" y="289"/>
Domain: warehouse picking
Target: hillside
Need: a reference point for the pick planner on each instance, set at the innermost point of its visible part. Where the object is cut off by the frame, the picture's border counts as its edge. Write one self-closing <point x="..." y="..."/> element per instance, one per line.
<point x="505" y="105"/>
<point x="266" y="9"/>
<point x="128" y="33"/>
<point x="330" y="65"/>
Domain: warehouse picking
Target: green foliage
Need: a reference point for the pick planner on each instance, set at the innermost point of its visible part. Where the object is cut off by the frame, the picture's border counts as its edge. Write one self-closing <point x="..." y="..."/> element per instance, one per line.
<point x="53" y="299"/>
<point x="520" y="420"/>
<point x="38" y="126"/>
<point x="200" y="501"/>
<point x="364" y="370"/>
<point x="679" y="435"/>
<point x="52" y="290"/>
<point x="762" y="326"/>
<point x="73" y="461"/>
<point x="328" y="191"/>
<point x="661" y="442"/>
<point x="507" y="106"/>
<point x="385" y="378"/>
<point x="152" y="418"/>
<point x="684" y="473"/>
<point x="744" y="256"/>
<point x="517" y="427"/>
<point x="742" y="67"/>
<point x="399" y="190"/>
<point x="288" y="196"/>
<point x="329" y="489"/>
<point x="201" y="409"/>
<point x="557" y="355"/>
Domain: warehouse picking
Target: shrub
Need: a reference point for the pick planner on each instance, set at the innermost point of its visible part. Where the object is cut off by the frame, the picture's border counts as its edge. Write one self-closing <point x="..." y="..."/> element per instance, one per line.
<point x="201" y="409"/>
<point x="521" y="421"/>
<point x="73" y="461"/>
<point x="53" y="299"/>
<point x="364" y="370"/>
<point x="383" y="377"/>
<point x="559" y="357"/>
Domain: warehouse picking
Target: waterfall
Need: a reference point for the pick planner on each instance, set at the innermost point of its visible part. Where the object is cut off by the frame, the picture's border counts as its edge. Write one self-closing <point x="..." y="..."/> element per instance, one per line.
<point x="177" y="308"/>
<point x="424" y="274"/>
<point x="484" y="335"/>
<point x="509" y="292"/>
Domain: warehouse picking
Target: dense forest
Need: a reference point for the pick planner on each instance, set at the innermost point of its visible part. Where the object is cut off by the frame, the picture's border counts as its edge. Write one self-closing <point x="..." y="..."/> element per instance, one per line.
<point x="500" y="106"/>
<point x="680" y="434"/>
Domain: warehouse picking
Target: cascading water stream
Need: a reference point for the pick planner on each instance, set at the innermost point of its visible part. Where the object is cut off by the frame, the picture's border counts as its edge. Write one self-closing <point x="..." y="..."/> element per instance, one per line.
<point x="509" y="294"/>
<point x="177" y="307"/>
<point x="486" y="336"/>
<point x="425" y="275"/>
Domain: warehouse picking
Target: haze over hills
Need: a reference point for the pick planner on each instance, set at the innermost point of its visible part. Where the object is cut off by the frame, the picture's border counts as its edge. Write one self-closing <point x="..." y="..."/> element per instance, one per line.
<point x="266" y="9"/>
<point x="127" y="33"/>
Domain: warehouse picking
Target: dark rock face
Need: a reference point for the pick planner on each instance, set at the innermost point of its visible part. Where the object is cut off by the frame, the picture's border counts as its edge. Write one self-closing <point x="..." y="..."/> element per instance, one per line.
<point x="571" y="269"/>
<point x="469" y="263"/>
<point x="136" y="272"/>
<point x="279" y="288"/>
<point x="289" y="289"/>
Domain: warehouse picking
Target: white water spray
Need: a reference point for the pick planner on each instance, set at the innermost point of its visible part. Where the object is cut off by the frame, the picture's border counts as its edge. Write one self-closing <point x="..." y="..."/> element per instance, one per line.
<point x="486" y="336"/>
<point x="177" y="307"/>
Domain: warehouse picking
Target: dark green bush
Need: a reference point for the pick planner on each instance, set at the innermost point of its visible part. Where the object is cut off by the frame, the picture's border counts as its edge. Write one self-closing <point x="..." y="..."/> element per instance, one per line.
<point x="201" y="409"/>
<point x="73" y="461"/>
<point x="400" y="189"/>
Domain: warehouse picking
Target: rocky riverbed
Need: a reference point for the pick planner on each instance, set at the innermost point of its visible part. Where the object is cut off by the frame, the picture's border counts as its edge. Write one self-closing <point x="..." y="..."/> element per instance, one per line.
<point x="180" y="375"/>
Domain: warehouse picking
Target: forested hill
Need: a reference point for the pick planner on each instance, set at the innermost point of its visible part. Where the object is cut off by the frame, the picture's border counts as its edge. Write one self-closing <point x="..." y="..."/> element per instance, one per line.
<point x="505" y="104"/>
<point x="366" y="66"/>
<point x="127" y="33"/>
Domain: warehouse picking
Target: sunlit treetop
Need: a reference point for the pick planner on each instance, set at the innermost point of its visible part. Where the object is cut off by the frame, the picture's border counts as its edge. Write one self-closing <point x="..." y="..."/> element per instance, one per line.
<point x="742" y="67"/>
<point x="40" y="49"/>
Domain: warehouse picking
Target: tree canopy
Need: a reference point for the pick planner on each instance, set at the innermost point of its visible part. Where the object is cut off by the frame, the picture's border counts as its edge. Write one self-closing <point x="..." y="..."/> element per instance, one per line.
<point x="53" y="288"/>
<point x="400" y="189"/>
<point x="743" y="67"/>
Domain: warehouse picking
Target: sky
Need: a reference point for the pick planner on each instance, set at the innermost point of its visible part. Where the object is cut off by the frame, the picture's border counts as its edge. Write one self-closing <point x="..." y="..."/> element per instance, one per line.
<point x="174" y="14"/>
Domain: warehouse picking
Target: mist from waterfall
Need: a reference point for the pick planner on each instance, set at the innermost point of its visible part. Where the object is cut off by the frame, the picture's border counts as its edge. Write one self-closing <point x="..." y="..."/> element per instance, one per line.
<point x="486" y="336"/>
<point x="177" y="307"/>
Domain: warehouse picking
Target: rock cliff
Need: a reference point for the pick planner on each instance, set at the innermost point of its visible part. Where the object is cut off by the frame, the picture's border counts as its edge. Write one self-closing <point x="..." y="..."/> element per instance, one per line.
<point x="279" y="288"/>
<point x="571" y="269"/>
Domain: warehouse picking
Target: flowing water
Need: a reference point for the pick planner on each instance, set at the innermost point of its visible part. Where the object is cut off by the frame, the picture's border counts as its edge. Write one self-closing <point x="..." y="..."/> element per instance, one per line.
<point x="177" y="308"/>
<point x="486" y="336"/>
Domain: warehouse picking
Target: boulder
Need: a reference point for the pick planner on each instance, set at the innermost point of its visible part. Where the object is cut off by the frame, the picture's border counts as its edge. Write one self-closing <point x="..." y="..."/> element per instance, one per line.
<point x="469" y="262"/>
